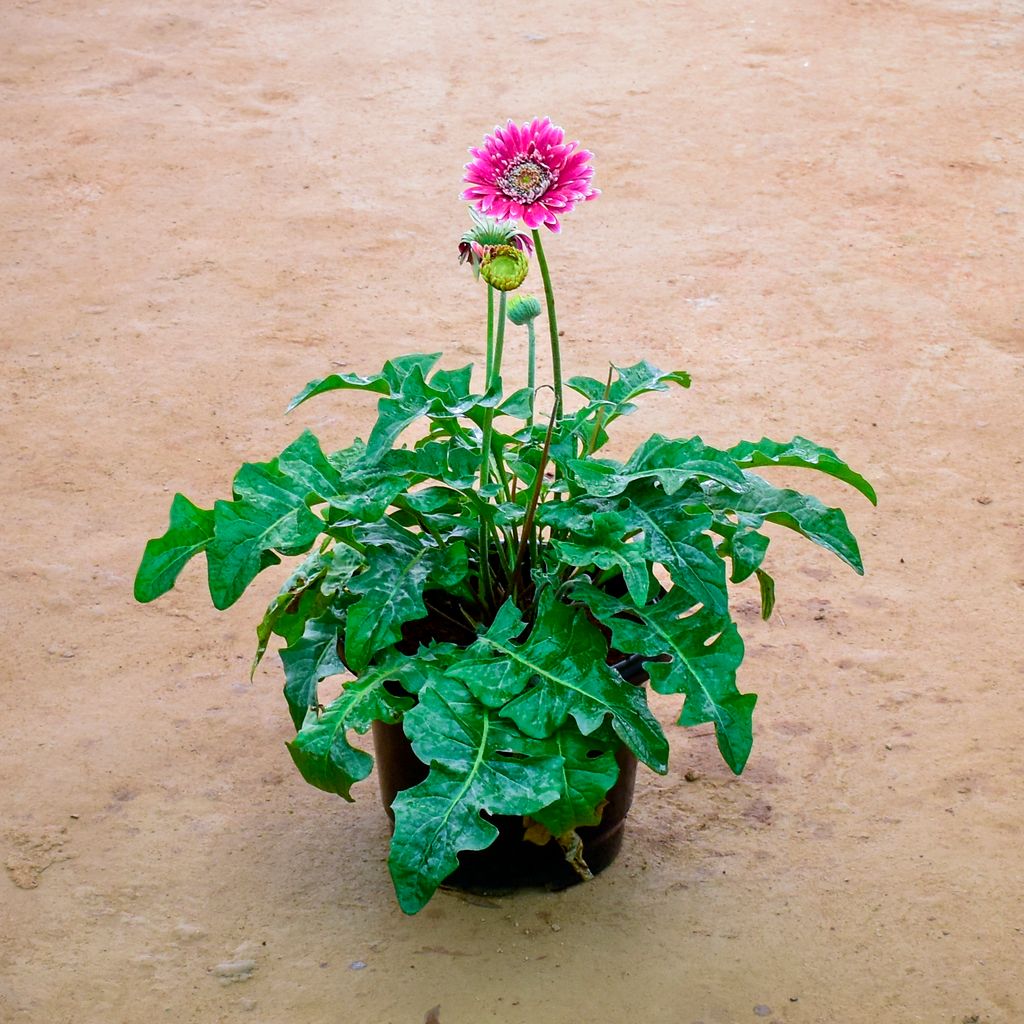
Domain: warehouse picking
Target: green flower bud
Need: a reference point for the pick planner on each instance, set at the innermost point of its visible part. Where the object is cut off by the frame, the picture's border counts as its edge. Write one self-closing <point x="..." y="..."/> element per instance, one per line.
<point x="522" y="309"/>
<point x="504" y="267"/>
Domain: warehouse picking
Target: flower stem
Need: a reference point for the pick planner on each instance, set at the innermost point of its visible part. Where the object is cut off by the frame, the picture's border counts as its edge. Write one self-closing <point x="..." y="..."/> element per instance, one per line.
<point x="499" y="343"/>
<point x="493" y="375"/>
<point x="531" y="367"/>
<point x="490" y="335"/>
<point x="549" y="299"/>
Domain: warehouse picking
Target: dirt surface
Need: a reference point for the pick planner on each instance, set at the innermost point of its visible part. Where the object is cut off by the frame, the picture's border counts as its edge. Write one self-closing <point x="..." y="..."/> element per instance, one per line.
<point x="814" y="207"/>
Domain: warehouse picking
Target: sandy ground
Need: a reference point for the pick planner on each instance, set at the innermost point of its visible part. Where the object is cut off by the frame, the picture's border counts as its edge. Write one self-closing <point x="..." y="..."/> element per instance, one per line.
<point x="814" y="207"/>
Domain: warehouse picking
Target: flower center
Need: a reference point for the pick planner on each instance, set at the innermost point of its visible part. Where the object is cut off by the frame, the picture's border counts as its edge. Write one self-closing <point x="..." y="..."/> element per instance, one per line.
<point x="525" y="180"/>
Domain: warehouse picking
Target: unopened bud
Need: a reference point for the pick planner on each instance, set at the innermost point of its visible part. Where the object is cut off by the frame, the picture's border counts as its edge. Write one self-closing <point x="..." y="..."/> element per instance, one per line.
<point x="522" y="309"/>
<point x="504" y="267"/>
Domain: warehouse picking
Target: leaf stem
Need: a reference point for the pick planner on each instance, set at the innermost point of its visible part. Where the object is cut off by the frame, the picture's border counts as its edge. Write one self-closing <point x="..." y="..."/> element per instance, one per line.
<point x="424" y="524"/>
<point x="599" y="417"/>
<point x="531" y="510"/>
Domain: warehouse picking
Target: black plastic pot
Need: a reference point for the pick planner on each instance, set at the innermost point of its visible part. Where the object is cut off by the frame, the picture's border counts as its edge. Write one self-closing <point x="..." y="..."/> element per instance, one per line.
<point x="512" y="862"/>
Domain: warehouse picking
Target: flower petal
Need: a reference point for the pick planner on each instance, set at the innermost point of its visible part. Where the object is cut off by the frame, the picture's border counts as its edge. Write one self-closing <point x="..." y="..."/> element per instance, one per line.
<point x="539" y="141"/>
<point x="534" y="215"/>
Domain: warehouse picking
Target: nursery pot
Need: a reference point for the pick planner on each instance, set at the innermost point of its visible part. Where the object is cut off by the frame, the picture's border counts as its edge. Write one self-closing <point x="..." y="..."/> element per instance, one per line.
<point x="512" y="861"/>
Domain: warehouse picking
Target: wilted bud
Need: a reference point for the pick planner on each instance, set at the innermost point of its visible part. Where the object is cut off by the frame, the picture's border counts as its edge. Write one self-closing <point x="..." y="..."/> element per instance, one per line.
<point x="522" y="309"/>
<point x="504" y="267"/>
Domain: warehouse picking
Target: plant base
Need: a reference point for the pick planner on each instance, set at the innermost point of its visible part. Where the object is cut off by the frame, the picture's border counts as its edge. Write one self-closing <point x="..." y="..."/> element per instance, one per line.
<point x="511" y="862"/>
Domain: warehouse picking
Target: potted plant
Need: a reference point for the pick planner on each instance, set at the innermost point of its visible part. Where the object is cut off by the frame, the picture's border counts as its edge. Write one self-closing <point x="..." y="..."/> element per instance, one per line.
<point x="493" y="586"/>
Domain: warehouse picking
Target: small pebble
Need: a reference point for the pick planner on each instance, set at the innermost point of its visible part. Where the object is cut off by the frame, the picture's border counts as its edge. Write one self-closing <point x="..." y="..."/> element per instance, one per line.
<point x="556" y="927"/>
<point x="691" y="775"/>
<point x="762" y="1011"/>
<point x="234" y="970"/>
<point x="357" y="965"/>
<point x="984" y="499"/>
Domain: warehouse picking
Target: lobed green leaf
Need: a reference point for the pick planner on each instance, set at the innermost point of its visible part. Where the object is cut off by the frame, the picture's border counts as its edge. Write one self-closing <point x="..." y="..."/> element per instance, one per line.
<point x="478" y="763"/>
<point x="189" y="532"/>
<point x="313" y="658"/>
<point x="803" y="453"/>
<point x="305" y="578"/>
<point x="630" y="382"/>
<point x="399" y="565"/>
<point x="803" y="513"/>
<point x="677" y="540"/>
<point x="270" y="513"/>
<point x="589" y="769"/>
<point x="387" y="382"/>
<point x="603" y="543"/>
<point x="558" y="671"/>
<point x="704" y="650"/>
<point x="321" y="750"/>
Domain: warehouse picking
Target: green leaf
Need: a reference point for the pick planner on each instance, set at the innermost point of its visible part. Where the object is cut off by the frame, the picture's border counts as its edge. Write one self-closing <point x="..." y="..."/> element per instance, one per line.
<point x="671" y="463"/>
<point x="558" y="671"/>
<point x="398" y="411"/>
<point x="803" y="453"/>
<point x="243" y="541"/>
<point x="744" y="545"/>
<point x="705" y="650"/>
<point x="445" y="398"/>
<point x="270" y="513"/>
<point x="321" y="750"/>
<point x="387" y="382"/>
<point x="367" y="496"/>
<point x="344" y="459"/>
<point x="430" y="662"/>
<point x="675" y="461"/>
<point x="604" y="544"/>
<point x="676" y="539"/>
<point x="478" y="763"/>
<point x="644" y="377"/>
<point x="312" y="659"/>
<point x="574" y="516"/>
<point x="189" y="532"/>
<point x="632" y="381"/>
<point x="344" y="563"/>
<point x="519" y="404"/>
<point x="800" y="512"/>
<point x="492" y="679"/>
<point x="453" y="383"/>
<point x="305" y="464"/>
<point x="767" y="585"/>
<point x="308" y="575"/>
<point x="399" y="565"/>
<point x="589" y="770"/>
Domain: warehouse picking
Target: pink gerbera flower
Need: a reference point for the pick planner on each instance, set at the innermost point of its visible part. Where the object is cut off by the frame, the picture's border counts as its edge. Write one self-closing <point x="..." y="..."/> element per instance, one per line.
<point x="528" y="172"/>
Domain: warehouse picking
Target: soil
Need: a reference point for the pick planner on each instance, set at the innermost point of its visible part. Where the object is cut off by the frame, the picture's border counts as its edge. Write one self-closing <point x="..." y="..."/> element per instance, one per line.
<point x="814" y="208"/>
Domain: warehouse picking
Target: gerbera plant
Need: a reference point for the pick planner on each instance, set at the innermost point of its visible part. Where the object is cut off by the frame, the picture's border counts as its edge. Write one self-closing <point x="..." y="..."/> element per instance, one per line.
<point x="477" y="573"/>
